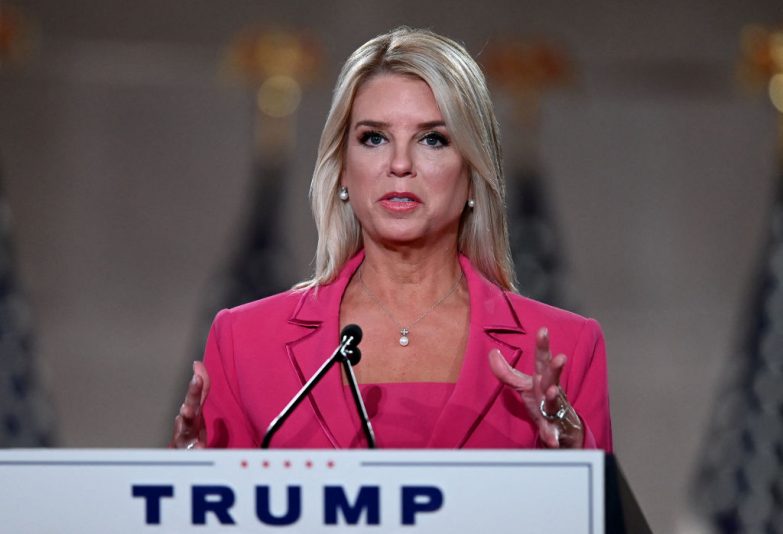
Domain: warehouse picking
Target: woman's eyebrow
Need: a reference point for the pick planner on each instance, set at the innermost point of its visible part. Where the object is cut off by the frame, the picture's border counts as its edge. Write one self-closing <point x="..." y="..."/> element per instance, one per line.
<point x="372" y="124"/>
<point x="431" y="124"/>
<point x="381" y="124"/>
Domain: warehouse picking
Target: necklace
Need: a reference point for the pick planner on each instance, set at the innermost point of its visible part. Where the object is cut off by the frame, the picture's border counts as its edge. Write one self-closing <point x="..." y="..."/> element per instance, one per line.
<point x="405" y="330"/>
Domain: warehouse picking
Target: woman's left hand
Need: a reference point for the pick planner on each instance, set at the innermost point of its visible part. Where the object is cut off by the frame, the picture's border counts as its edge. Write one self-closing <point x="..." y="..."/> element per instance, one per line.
<point x="541" y="393"/>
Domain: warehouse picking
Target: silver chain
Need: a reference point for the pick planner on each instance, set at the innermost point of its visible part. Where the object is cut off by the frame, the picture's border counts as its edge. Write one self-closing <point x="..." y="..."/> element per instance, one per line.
<point x="404" y="331"/>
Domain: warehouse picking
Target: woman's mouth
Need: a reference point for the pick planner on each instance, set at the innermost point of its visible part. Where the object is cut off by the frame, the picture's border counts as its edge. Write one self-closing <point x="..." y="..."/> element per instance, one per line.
<point x="400" y="201"/>
<point x="400" y="196"/>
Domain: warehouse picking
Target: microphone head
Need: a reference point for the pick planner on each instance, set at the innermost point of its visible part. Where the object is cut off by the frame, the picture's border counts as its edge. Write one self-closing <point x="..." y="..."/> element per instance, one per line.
<point x="354" y="356"/>
<point x="352" y="330"/>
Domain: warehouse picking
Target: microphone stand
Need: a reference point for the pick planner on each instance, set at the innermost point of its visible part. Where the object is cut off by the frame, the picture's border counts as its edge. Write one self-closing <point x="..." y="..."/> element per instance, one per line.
<point x="349" y="354"/>
<point x="348" y="364"/>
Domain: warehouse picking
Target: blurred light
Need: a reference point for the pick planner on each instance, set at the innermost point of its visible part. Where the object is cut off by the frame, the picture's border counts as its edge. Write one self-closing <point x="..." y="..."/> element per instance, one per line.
<point x="255" y="54"/>
<point x="761" y="57"/>
<point x="776" y="91"/>
<point x="527" y="66"/>
<point x="19" y="36"/>
<point x="776" y="49"/>
<point x="753" y="41"/>
<point x="279" y="96"/>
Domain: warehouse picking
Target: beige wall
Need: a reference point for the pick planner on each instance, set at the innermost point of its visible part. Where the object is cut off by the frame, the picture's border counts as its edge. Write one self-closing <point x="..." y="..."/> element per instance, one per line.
<point x="128" y="166"/>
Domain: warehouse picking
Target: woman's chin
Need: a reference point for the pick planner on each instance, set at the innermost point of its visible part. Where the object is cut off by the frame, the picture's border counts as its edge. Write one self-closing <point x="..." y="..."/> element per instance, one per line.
<point x="396" y="240"/>
<point x="411" y="233"/>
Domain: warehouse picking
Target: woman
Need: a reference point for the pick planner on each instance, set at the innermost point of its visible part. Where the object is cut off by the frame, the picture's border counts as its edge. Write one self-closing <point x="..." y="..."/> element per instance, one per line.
<point x="408" y="199"/>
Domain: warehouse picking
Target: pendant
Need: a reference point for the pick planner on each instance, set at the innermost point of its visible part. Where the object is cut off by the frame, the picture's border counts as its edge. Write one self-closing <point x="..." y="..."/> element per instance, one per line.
<point x="404" y="337"/>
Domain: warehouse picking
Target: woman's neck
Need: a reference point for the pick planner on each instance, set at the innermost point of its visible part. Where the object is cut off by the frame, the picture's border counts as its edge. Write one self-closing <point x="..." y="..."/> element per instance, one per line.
<point x="409" y="277"/>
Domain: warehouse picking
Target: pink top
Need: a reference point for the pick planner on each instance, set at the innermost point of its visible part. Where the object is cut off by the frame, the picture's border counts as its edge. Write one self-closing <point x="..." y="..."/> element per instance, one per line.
<point x="403" y="414"/>
<point x="260" y="354"/>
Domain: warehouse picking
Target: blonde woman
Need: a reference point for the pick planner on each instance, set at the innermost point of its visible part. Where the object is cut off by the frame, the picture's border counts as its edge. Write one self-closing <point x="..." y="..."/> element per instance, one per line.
<point x="408" y="200"/>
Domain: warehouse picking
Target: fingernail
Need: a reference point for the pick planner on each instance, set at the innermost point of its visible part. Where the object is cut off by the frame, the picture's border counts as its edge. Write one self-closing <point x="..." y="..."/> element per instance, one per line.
<point x="194" y="380"/>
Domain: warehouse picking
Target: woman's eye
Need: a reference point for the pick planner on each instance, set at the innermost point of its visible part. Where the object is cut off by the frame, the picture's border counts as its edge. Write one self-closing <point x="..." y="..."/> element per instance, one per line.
<point x="435" y="140"/>
<point x="372" y="139"/>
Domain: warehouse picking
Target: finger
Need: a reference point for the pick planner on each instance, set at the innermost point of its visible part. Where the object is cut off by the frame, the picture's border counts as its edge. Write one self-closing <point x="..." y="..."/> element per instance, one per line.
<point x="552" y="394"/>
<point x="549" y="434"/>
<point x="188" y="421"/>
<point x="194" y="393"/>
<point x="507" y="374"/>
<point x="552" y="372"/>
<point x="182" y="435"/>
<point x="552" y="400"/>
<point x="550" y="384"/>
<point x="177" y="428"/>
<point x="187" y="412"/>
<point x="199" y="369"/>
<point x="543" y="356"/>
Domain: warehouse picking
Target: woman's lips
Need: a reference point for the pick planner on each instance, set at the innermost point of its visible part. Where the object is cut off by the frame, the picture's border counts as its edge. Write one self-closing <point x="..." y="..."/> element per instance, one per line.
<point x="400" y="201"/>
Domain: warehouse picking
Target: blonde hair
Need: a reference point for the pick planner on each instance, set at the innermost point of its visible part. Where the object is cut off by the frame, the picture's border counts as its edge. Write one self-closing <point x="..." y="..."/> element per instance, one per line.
<point x="461" y="92"/>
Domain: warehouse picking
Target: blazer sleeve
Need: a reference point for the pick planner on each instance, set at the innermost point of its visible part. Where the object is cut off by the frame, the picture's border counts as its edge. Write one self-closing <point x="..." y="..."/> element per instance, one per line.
<point x="226" y="422"/>
<point x="587" y="387"/>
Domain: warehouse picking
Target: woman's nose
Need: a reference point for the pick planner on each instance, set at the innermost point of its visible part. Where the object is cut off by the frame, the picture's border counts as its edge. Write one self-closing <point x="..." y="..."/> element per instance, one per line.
<point x="401" y="164"/>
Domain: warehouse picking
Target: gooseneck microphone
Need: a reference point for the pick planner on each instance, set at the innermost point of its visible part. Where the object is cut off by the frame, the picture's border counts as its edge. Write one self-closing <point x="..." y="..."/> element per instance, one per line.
<point x="352" y="335"/>
<point x="349" y="354"/>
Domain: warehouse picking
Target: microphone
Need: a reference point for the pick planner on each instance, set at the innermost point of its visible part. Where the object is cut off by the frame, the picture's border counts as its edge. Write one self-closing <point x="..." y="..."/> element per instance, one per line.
<point x="353" y="334"/>
<point x="349" y="354"/>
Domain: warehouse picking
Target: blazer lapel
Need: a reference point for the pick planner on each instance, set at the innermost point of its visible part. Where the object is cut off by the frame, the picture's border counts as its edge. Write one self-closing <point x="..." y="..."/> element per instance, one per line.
<point x="493" y="324"/>
<point x="318" y="315"/>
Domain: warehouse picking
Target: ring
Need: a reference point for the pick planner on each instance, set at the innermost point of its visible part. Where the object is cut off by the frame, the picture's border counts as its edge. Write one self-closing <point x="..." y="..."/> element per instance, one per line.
<point x="191" y="446"/>
<point x="561" y="412"/>
<point x="557" y="416"/>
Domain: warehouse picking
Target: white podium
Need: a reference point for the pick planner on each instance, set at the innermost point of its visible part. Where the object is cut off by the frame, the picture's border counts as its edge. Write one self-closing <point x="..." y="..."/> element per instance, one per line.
<point x="168" y="491"/>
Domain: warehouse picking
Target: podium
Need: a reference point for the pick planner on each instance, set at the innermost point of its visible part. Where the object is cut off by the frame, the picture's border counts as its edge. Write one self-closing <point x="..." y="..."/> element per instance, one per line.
<point x="167" y="491"/>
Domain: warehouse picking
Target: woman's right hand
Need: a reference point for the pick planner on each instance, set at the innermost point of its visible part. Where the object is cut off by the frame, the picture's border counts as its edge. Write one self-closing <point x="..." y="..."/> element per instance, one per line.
<point x="189" y="429"/>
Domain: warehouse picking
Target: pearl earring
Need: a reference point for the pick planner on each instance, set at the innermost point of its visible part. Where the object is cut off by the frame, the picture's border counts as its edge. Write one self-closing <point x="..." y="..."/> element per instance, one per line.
<point x="471" y="203"/>
<point x="343" y="194"/>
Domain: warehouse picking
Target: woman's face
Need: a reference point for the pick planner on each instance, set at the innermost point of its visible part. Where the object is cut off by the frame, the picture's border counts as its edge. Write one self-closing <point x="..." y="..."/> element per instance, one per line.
<point x="407" y="182"/>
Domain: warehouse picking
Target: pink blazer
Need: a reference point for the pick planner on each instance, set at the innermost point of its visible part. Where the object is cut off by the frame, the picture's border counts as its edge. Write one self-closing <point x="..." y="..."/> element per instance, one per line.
<point x="259" y="354"/>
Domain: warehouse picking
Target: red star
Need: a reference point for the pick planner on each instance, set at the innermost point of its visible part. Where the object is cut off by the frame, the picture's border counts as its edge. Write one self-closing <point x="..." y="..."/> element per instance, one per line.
<point x="286" y="464"/>
<point x="243" y="463"/>
<point x="308" y="464"/>
<point x="265" y="464"/>
<point x="330" y="464"/>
